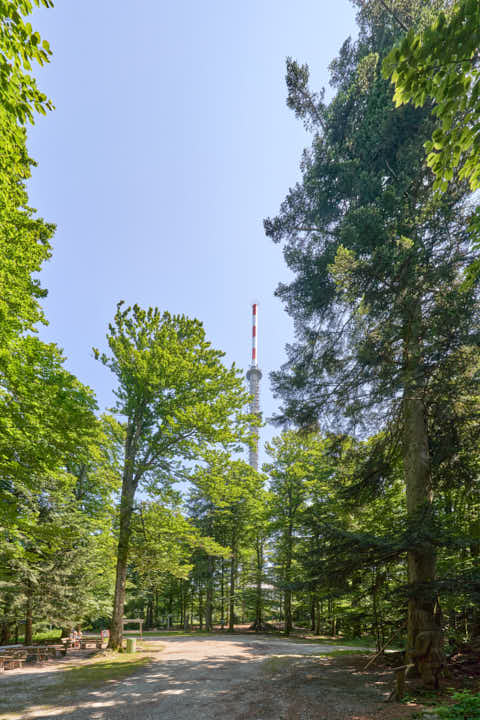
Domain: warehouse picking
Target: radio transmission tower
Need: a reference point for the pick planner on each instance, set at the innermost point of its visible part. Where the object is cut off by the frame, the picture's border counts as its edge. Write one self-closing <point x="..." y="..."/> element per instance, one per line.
<point x="254" y="375"/>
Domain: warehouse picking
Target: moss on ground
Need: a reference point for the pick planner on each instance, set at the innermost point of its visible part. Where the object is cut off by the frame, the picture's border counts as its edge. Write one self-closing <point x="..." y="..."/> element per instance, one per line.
<point x="277" y="663"/>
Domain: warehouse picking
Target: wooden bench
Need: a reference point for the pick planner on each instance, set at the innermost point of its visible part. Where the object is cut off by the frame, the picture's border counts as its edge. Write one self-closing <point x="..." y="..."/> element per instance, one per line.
<point x="54" y="649"/>
<point x="39" y="654"/>
<point x="91" y="641"/>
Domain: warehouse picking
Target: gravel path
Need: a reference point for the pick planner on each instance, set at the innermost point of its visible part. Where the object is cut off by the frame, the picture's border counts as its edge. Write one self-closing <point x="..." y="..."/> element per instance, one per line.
<point x="236" y="677"/>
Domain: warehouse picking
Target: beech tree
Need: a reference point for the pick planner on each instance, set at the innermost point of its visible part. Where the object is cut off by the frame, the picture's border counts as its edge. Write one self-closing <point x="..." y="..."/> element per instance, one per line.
<point x="441" y="63"/>
<point x="224" y="502"/>
<point x="177" y="398"/>
<point x="289" y="471"/>
<point x="439" y="66"/>
<point x="377" y="297"/>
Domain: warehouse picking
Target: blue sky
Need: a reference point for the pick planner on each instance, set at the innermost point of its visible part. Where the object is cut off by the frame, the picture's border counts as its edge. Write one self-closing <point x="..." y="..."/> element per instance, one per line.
<point x="170" y="143"/>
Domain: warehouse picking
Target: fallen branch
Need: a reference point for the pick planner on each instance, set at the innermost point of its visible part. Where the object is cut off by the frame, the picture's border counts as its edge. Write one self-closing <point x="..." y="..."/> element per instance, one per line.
<point x="395" y="634"/>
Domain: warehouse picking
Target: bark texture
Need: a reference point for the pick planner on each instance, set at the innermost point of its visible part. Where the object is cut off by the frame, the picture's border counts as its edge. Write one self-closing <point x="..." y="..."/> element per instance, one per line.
<point x="231" y="599"/>
<point x="129" y="486"/>
<point x="424" y="637"/>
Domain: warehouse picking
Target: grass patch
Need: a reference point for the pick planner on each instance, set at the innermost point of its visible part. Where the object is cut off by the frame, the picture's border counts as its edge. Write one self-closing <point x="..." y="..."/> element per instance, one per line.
<point x="367" y="643"/>
<point x="145" y="646"/>
<point x="113" y="667"/>
<point x="74" y="678"/>
<point x="277" y="663"/>
<point x="164" y="633"/>
<point x="335" y="653"/>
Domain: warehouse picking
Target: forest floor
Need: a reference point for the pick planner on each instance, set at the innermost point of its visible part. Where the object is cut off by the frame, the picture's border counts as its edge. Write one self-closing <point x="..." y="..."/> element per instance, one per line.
<point x="205" y="677"/>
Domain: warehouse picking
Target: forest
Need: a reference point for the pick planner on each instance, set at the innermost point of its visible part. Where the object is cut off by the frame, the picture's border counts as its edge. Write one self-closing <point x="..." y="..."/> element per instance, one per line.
<point x="364" y="522"/>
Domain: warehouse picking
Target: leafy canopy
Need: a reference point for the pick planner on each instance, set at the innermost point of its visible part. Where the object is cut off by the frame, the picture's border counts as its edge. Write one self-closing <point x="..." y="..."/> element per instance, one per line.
<point x="442" y="65"/>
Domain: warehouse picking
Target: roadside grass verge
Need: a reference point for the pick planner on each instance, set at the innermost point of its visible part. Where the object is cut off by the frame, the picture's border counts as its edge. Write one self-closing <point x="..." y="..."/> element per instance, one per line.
<point x="277" y="663"/>
<point x="357" y="643"/>
<point x="164" y="633"/>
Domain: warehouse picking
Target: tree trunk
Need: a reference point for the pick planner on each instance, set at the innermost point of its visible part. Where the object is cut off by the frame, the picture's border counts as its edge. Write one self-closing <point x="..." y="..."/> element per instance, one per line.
<point x="222" y="586"/>
<point x="126" y="509"/>
<point x="287" y="600"/>
<point x="424" y="640"/>
<point x="29" y="616"/>
<point x="5" y="627"/>
<point x="149" y="621"/>
<point x="209" y="599"/>
<point x="231" y="599"/>
<point x="258" y="625"/>
<point x="375" y="611"/>
<point x="5" y="634"/>
<point x="317" y="616"/>
<point x="200" y="606"/>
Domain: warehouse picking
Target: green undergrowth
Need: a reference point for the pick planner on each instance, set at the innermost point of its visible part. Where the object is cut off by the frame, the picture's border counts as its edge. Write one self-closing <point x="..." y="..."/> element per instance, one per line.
<point x="50" y="635"/>
<point x="466" y="706"/>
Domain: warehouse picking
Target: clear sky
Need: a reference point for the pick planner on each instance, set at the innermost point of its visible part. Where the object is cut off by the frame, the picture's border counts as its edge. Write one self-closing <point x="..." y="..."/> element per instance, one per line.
<point x="170" y="143"/>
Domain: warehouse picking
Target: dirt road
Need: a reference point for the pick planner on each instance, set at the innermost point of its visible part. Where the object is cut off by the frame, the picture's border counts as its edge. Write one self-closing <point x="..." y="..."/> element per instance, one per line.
<point x="236" y="677"/>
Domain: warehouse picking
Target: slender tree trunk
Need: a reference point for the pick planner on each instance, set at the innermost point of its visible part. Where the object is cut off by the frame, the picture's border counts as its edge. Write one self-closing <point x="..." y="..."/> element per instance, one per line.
<point x="200" y="605"/>
<point x="209" y="599"/>
<point x="5" y="627"/>
<point x="475" y="553"/>
<point x="317" y="616"/>
<point x="182" y="603"/>
<point x="192" y="609"/>
<point x="222" y="590"/>
<point x="258" y="590"/>
<point x="5" y="634"/>
<point x="231" y="599"/>
<point x="156" y="608"/>
<point x="126" y="510"/>
<point x="288" y="572"/>
<point x="375" y="611"/>
<point x="149" y="618"/>
<point x="424" y="641"/>
<point x="29" y="615"/>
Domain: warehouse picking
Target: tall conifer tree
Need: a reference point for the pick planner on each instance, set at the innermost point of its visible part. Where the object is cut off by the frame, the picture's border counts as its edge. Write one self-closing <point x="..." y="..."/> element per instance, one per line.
<point x="377" y="297"/>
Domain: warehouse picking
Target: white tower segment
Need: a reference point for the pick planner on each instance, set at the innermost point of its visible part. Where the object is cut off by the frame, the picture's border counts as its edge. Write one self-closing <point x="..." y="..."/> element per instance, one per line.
<point x="254" y="375"/>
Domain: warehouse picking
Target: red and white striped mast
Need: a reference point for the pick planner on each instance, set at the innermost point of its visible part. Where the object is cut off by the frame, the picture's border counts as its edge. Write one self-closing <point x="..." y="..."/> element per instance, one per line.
<point x="254" y="375"/>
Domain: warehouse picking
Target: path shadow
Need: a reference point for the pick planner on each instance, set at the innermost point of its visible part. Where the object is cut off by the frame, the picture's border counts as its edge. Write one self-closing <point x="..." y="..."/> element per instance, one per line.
<point x="235" y="687"/>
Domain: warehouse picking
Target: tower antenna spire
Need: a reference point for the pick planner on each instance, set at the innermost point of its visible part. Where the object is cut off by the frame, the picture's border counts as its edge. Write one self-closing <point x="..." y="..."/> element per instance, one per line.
<point x="254" y="375"/>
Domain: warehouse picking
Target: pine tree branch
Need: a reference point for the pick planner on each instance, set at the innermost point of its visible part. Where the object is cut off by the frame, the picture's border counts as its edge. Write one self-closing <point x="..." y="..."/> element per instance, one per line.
<point x="394" y="15"/>
<point x="391" y="12"/>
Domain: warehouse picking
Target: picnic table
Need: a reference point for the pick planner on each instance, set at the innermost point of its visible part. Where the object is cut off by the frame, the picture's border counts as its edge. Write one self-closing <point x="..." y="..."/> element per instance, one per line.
<point x="11" y="659"/>
<point x="84" y="642"/>
<point x="87" y="640"/>
<point x="14" y="657"/>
